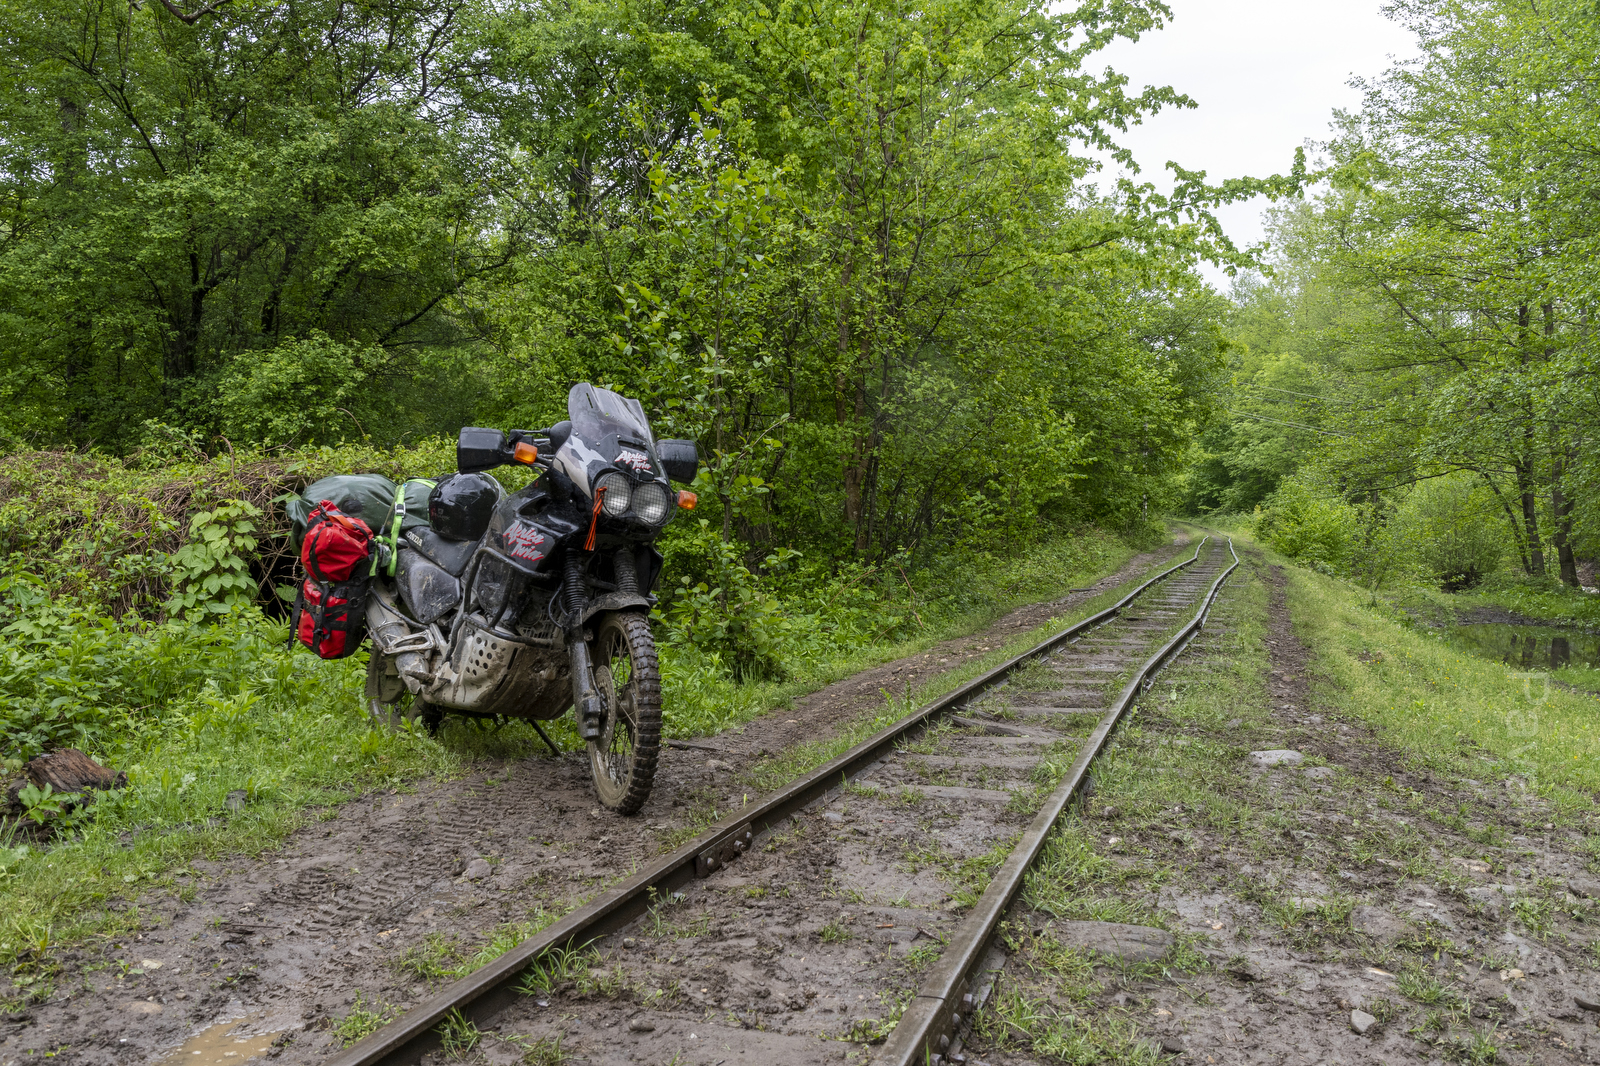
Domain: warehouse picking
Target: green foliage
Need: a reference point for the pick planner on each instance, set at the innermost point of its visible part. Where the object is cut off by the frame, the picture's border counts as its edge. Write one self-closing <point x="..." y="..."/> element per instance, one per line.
<point x="1437" y="349"/>
<point x="211" y="573"/>
<point x="1307" y="526"/>
<point x="364" y="1018"/>
<point x="1455" y="528"/>
<point x="299" y="390"/>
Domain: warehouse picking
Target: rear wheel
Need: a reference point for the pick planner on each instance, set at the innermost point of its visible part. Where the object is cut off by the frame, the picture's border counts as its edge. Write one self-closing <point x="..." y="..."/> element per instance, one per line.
<point x="628" y="681"/>
<point x="390" y="703"/>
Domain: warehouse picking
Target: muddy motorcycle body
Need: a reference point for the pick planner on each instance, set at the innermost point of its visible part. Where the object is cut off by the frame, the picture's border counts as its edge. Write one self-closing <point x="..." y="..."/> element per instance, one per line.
<point x="531" y="604"/>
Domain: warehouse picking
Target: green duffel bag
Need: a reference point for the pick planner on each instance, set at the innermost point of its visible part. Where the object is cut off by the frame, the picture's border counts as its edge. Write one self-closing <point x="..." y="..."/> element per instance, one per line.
<point x="369" y="497"/>
<point x="388" y="509"/>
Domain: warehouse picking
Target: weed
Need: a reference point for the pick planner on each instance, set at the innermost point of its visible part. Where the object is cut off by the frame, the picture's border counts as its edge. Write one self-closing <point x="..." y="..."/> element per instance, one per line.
<point x="545" y="1051"/>
<point x="363" y="1018"/>
<point x="1419" y="984"/>
<point x="430" y="959"/>
<point x="555" y="967"/>
<point x="458" y="1035"/>
<point x="1534" y="913"/>
<point x="1014" y="1018"/>
<point x="835" y="933"/>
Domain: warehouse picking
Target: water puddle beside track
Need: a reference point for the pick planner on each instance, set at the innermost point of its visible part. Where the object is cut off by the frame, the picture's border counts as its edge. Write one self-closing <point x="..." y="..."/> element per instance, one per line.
<point x="1527" y="646"/>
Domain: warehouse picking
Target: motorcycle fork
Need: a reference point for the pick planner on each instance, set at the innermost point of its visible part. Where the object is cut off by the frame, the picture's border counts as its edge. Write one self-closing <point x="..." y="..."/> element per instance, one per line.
<point x="585" y="700"/>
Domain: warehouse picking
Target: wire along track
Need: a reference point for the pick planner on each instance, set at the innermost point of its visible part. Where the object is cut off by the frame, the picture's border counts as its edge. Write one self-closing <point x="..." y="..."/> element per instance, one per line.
<point x="946" y="787"/>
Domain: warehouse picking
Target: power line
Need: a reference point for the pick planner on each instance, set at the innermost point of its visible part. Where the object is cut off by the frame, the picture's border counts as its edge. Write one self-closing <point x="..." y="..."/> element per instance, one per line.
<point x="1291" y="425"/>
<point x="1291" y="392"/>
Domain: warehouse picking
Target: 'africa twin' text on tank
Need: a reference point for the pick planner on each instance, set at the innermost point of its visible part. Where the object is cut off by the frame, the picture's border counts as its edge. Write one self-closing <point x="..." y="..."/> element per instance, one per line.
<point x="523" y="605"/>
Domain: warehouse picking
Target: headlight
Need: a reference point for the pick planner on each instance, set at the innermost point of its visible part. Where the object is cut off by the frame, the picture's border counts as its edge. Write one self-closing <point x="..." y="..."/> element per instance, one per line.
<point x="650" y="503"/>
<point x="617" y="493"/>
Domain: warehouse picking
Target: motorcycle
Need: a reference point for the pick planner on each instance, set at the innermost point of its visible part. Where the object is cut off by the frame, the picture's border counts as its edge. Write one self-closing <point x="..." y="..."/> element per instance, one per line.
<point x="523" y="605"/>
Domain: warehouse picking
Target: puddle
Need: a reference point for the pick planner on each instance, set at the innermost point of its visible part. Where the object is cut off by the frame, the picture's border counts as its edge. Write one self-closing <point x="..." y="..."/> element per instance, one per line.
<point x="1530" y="647"/>
<point x="218" y="1046"/>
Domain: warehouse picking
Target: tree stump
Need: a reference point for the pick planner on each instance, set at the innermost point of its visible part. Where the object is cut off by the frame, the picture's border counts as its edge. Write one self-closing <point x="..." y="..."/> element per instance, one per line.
<point x="70" y="770"/>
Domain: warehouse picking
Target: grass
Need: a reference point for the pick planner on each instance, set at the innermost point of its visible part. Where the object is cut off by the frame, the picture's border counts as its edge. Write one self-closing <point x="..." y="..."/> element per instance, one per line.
<point x="290" y="739"/>
<point x="441" y="957"/>
<point x="364" y="1018"/>
<point x="1460" y="714"/>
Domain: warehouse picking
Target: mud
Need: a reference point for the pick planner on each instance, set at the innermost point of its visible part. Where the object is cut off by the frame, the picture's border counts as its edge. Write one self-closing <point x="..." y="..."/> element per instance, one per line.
<point x="1353" y="907"/>
<point x="369" y="910"/>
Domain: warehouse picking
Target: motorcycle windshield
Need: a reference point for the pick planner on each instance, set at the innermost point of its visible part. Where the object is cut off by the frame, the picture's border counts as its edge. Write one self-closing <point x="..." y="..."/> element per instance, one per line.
<point x="599" y="413"/>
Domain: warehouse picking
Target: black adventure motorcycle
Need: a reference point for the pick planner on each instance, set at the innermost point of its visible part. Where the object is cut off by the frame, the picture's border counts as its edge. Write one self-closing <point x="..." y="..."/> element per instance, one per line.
<point x="523" y="605"/>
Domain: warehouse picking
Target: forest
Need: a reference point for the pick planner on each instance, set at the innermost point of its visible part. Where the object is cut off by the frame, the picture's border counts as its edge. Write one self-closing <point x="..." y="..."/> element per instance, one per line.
<point x="1412" y="392"/>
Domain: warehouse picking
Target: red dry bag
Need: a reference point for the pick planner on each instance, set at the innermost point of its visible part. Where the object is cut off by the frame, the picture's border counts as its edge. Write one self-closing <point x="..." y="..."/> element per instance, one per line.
<point x="330" y="613"/>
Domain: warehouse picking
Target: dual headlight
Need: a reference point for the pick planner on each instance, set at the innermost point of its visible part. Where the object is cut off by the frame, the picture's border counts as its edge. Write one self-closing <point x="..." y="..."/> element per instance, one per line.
<point x="649" y="502"/>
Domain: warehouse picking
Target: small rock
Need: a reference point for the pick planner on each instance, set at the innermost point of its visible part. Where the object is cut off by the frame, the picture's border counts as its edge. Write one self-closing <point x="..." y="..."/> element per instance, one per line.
<point x="1512" y="975"/>
<point x="1172" y="1046"/>
<point x="718" y="764"/>
<point x="1131" y="943"/>
<point x="477" y="870"/>
<point x="1361" y="1021"/>
<point x="629" y="943"/>
<point x="181" y="995"/>
<point x="237" y="799"/>
<point x="641" y="1025"/>
<point x="1277" y="757"/>
<point x="833" y="816"/>
<point x="143" y="1006"/>
<point x="1587" y="887"/>
<point x="1585" y="1003"/>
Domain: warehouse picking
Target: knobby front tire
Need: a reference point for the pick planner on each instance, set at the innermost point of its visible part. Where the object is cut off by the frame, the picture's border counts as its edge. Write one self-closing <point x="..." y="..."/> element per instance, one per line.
<point x="627" y="677"/>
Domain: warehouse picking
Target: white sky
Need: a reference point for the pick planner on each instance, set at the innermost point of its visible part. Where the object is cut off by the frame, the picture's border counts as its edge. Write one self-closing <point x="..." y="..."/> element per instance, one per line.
<point x="1267" y="75"/>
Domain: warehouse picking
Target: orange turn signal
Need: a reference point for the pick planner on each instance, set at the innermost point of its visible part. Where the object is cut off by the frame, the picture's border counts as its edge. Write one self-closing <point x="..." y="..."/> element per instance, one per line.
<point x="687" y="499"/>
<point x="524" y="453"/>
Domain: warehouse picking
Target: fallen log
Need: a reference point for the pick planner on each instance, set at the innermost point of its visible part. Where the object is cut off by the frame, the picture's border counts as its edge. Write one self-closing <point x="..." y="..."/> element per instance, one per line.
<point x="70" y="770"/>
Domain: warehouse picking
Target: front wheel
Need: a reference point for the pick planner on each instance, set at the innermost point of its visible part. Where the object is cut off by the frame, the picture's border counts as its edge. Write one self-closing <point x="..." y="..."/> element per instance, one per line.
<point x="627" y="679"/>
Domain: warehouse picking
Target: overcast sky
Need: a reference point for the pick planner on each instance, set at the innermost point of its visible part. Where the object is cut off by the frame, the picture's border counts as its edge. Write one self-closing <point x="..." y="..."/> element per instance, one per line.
<point x="1267" y="75"/>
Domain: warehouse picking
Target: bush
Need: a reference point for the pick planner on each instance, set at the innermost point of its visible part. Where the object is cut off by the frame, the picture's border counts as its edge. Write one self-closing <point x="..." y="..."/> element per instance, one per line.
<point x="1308" y="527"/>
<point x="1455" y="529"/>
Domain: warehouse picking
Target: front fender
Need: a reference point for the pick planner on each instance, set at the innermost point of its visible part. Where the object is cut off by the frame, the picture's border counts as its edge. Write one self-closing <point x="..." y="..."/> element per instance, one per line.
<point x="616" y="601"/>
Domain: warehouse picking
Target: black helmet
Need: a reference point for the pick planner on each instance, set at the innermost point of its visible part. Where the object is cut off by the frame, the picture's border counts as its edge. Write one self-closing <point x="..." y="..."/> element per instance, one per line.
<point x="460" y="505"/>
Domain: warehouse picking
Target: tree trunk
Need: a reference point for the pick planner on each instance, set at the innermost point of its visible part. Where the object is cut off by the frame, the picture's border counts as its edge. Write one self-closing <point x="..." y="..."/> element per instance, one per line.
<point x="1561" y="508"/>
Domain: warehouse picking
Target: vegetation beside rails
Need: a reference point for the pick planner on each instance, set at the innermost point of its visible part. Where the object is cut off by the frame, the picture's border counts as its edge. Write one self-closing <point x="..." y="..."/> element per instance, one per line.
<point x="1274" y="868"/>
<point x="1456" y="711"/>
<point x="231" y="740"/>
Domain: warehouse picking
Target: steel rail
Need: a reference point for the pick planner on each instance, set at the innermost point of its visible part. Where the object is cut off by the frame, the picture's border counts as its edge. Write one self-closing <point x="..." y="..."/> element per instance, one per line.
<point x="932" y="1021"/>
<point x="485" y="992"/>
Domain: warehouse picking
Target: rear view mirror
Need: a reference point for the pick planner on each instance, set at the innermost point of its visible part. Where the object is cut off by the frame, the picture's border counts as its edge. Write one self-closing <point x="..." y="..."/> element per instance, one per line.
<point x="478" y="450"/>
<point x="680" y="458"/>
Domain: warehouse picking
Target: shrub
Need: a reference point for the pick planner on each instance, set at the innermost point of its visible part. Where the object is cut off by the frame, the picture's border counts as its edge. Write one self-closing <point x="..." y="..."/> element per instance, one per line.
<point x="1308" y="527"/>
<point x="1455" y="528"/>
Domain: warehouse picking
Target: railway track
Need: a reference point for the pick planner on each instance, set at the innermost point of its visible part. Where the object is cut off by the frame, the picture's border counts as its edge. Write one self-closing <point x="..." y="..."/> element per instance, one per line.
<point x="912" y="845"/>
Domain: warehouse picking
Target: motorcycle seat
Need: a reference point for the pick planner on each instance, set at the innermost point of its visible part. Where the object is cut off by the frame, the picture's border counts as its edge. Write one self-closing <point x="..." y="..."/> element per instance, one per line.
<point x="450" y="555"/>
